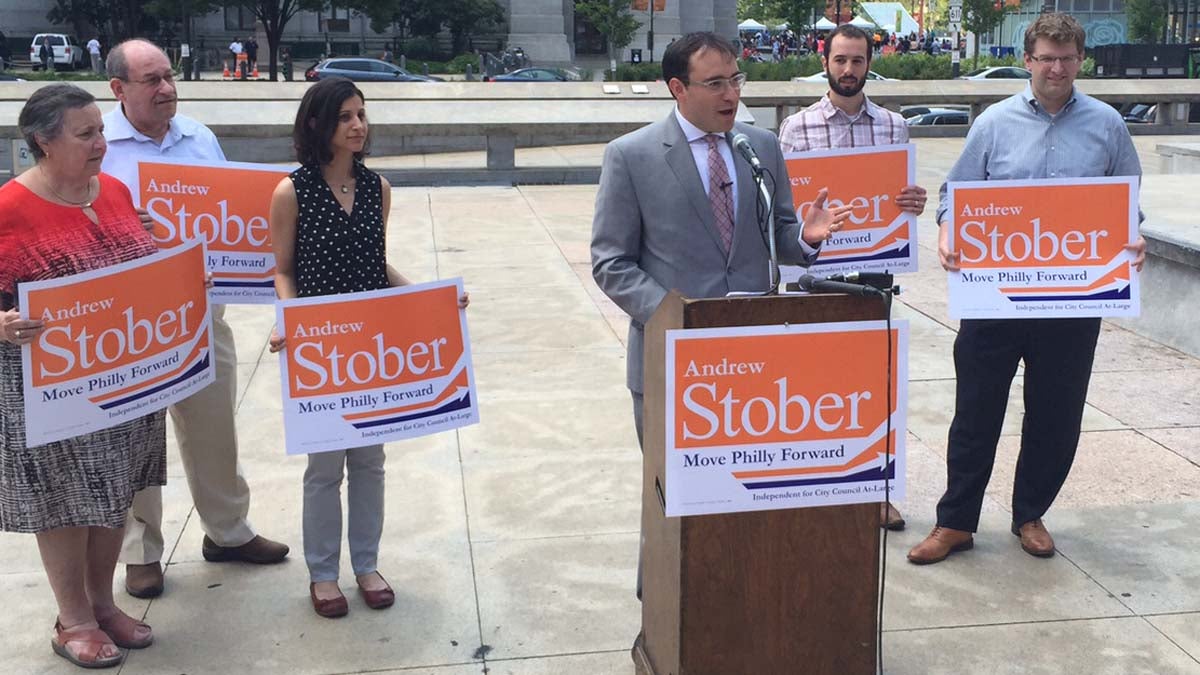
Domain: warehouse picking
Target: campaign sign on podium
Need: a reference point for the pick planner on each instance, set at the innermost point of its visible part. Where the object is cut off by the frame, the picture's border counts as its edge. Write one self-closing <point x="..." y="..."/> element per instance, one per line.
<point x="877" y="235"/>
<point x="225" y="204"/>
<point x="1051" y="248"/>
<point x="778" y="417"/>
<point x="375" y="367"/>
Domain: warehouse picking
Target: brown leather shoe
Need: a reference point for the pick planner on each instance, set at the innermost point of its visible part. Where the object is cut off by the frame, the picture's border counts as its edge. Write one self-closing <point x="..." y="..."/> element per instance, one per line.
<point x="1035" y="540"/>
<point x="890" y="518"/>
<point x="940" y="543"/>
<point x="259" y="550"/>
<point x="380" y="599"/>
<point x="144" y="581"/>
<point x="331" y="608"/>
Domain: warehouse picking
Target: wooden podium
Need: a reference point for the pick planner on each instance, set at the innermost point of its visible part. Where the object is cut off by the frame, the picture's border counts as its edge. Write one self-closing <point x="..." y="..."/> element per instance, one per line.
<point x="761" y="593"/>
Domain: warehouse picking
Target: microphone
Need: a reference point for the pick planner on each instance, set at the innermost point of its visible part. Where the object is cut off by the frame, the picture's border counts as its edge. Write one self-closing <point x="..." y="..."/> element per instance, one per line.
<point x="881" y="280"/>
<point x="741" y="142"/>
<point x="812" y="284"/>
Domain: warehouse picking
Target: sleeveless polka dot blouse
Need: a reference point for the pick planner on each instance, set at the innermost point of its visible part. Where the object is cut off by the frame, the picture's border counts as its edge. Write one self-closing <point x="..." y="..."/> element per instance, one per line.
<point x="338" y="252"/>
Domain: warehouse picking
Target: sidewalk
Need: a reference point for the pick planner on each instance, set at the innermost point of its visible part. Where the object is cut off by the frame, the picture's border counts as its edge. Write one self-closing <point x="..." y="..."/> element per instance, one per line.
<point x="512" y="544"/>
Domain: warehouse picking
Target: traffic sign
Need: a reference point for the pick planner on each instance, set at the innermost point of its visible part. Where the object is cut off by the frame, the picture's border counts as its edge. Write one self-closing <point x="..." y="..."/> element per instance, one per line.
<point x="955" y="16"/>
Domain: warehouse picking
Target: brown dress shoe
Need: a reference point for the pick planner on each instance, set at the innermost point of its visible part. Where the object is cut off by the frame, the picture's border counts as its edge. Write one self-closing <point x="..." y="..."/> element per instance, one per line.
<point x="1035" y="540"/>
<point x="259" y="550"/>
<point x="380" y="599"/>
<point x="940" y="543"/>
<point x="144" y="581"/>
<point x="331" y="608"/>
<point x="890" y="518"/>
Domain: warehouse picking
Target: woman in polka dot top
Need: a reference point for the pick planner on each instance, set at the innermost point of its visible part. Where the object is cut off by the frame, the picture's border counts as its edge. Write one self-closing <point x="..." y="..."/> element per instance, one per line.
<point x="329" y="229"/>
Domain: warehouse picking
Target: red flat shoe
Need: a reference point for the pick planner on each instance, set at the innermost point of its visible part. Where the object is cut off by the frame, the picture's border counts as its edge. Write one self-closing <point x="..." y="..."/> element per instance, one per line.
<point x="88" y="656"/>
<point x="331" y="608"/>
<point x="381" y="599"/>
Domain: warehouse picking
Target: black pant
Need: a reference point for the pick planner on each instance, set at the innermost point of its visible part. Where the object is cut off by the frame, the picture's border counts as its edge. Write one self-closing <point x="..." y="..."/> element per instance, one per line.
<point x="1058" y="364"/>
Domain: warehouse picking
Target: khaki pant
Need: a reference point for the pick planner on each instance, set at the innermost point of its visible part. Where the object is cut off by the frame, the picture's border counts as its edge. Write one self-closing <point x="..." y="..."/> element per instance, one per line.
<point x="207" y="438"/>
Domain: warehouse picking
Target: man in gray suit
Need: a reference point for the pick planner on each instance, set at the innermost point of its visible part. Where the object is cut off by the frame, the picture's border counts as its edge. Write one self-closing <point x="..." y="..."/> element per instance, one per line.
<point x="676" y="210"/>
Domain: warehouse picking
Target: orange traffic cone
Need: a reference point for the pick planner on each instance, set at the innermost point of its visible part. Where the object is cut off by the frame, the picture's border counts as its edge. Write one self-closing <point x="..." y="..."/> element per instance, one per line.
<point x="254" y="74"/>
<point x="225" y="73"/>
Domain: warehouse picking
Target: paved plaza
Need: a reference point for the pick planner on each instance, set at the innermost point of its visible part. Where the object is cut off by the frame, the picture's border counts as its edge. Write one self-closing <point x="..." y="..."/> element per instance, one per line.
<point x="512" y="544"/>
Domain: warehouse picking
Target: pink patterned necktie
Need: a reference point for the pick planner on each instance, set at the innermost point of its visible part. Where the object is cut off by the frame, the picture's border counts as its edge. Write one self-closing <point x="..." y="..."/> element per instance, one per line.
<point x="720" y="191"/>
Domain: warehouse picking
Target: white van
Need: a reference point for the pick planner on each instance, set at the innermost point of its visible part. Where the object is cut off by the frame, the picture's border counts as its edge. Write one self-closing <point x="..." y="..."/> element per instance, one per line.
<point x="67" y="52"/>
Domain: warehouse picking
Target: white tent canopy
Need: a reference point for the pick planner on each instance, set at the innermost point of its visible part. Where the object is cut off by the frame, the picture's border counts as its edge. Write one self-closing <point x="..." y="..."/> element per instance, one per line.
<point x="750" y="24"/>
<point x="887" y="13"/>
<point x="862" y="22"/>
<point x="824" y="24"/>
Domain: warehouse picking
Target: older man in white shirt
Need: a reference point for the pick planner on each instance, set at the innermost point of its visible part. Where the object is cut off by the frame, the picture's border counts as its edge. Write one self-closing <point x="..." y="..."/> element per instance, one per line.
<point x="144" y="126"/>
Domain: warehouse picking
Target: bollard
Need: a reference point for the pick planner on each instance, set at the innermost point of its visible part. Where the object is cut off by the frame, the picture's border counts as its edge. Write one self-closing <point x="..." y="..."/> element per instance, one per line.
<point x="425" y="68"/>
<point x="470" y="73"/>
<point x="404" y="61"/>
<point x="195" y="68"/>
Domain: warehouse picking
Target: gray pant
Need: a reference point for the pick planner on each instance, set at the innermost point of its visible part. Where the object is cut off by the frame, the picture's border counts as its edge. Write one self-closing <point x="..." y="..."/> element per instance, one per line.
<point x="96" y="64"/>
<point x="323" y="510"/>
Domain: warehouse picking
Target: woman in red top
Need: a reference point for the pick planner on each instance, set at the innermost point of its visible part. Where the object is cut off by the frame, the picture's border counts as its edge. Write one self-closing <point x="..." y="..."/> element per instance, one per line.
<point x="64" y="217"/>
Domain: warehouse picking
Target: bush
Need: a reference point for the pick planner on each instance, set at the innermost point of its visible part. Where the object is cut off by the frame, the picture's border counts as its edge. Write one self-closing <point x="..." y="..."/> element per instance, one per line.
<point x="635" y="72"/>
<point x="792" y="66"/>
<point x="62" y="76"/>
<point x="421" y="48"/>
<point x="458" y="65"/>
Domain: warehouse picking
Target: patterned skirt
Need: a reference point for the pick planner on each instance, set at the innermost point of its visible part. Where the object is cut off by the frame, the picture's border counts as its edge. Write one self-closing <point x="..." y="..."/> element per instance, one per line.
<point x="86" y="481"/>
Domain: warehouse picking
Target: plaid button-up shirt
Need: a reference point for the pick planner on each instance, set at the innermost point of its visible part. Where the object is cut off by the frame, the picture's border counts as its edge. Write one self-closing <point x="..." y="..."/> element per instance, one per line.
<point x="822" y="126"/>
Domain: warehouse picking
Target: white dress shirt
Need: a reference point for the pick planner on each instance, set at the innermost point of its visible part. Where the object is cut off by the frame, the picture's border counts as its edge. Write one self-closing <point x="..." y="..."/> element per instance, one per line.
<point x="186" y="139"/>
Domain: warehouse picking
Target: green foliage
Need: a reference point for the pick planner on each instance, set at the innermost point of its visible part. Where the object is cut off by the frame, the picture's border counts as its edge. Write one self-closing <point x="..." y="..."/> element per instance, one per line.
<point x="915" y="66"/>
<point x="612" y="19"/>
<point x="635" y="72"/>
<point x="981" y="16"/>
<point x="458" y="65"/>
<point x="1147" y="20"/>
<point x="792" y="66"/>
<point x="421" y="47"/>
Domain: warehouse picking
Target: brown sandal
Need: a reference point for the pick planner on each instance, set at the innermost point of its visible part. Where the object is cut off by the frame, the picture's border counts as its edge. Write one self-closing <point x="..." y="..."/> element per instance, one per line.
<point x="122" y="629"/>
<point x="94" y="640"/>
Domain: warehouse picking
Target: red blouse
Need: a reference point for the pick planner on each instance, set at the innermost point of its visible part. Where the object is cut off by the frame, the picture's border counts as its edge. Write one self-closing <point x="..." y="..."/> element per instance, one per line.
<point x="43" y="240"/>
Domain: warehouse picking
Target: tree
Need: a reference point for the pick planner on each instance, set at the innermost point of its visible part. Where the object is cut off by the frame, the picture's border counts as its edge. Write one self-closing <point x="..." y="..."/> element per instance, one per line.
<point x="796" y="13"/>
<point x="428" y="17"/>
<point x="274" y="15"/>
<point x="981" y="16"/>
<point x="613" y="20"/>
<point x="1147" y="20"/>
<point x="123" y="18"/>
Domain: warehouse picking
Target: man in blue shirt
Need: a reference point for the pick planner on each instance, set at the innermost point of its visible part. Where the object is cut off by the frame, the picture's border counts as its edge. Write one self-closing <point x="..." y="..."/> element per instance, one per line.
<point x="144" y="126"/>
<point x="1050" y="130"/>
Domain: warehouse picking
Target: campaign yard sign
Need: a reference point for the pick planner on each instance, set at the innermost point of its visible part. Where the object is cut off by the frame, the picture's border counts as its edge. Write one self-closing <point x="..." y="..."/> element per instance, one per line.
<point x="375" y="367"/>
<point x="224" y="204"/>
<point x="877" y="236"/>
<point x="1050" y="248"/>
<point x="119" y="342"/>
<point x="776" y="417"/>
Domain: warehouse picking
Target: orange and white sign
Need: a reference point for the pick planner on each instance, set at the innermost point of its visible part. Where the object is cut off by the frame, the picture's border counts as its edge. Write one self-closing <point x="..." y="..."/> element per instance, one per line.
<point x="775" y="417"/>
<point x="225" y="205"/>
<point x="374" y="367"/>
<point x="1044" y="248"/>
<point x="878" y="236"/>
<point x="119" y="343"/>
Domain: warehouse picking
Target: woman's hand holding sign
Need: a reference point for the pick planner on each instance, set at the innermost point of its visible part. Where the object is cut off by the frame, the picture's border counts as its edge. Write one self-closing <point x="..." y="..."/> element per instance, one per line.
<point x="19" y="331"/>
<point x="821" y="223"/>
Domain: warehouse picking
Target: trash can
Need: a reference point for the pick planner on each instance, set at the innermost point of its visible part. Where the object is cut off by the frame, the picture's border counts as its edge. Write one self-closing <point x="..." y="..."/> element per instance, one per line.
<point x="635" y="56"/>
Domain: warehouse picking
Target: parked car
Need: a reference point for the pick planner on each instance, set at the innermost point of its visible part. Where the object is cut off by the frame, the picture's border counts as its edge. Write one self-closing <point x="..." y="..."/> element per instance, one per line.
<point x="998" y="73"/>
<point x="533" y="75"/>
<point x="363" y="69"/>
<point x="6" y="77"/>
<point x="67" y="52"/>
<point x="1140" y="113"/>
<point x="939" y="117"/>
<point x="821" y="77"/>
<point x="909" y="111"/>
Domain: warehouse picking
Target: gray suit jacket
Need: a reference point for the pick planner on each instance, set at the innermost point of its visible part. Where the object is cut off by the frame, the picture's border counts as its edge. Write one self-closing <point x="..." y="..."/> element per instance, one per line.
<point x="654" y="231"/>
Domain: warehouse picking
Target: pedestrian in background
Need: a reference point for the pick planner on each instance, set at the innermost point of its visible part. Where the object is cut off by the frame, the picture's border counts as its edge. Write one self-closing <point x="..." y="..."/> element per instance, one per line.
<point x="93" y="47"/>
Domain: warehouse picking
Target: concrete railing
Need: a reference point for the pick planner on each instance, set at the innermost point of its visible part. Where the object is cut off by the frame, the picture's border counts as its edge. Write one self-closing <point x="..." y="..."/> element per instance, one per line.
<point x="417" y="117"/>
